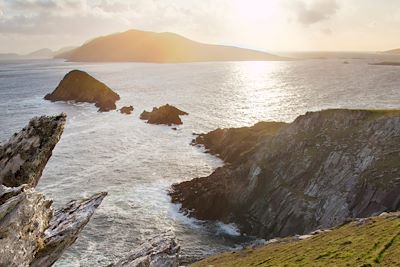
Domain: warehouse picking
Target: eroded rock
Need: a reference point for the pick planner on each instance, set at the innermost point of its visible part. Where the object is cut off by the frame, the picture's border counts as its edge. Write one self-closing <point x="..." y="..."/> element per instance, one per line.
<point x="24" y="156"/>
<point x="30" y="234"/>
<point x="160" y="251"/>
<point x="79" y="86"/>
<point x="166" y="114"/>
<point x="64" y="228"/>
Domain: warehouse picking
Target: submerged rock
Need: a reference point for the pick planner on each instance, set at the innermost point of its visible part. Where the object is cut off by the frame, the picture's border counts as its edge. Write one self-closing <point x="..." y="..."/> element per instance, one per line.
<point x="81" y="87"/>
<point x="166" y="114"/>
<point x="30" y="233"/>
<point x="313" y="173"/>
<point x="126" y="110"/>
<point x="24" y="156"/>
<point x="159" y="251"/>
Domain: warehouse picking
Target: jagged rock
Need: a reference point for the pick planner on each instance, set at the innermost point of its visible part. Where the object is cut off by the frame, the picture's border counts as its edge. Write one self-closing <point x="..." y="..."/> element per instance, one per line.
<point x="64" y="228"/>
<point x="30" y="235"/>
<point x="24" y="218"/>
<point x="126" y="110"/>
<point x="166" y="114"/>
<point x="160" y="251"/>
<point x="24" y="156"/>
<point x="313" y="173"/>
<point x="81" y="87"/>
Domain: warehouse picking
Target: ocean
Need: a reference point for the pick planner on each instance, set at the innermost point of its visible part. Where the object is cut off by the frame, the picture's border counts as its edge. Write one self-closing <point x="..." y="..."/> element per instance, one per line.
<point x="137" y="162"/>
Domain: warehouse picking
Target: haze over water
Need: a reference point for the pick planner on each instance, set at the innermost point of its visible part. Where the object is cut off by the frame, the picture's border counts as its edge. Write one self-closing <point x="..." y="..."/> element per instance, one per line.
<point x="136" y="162"/>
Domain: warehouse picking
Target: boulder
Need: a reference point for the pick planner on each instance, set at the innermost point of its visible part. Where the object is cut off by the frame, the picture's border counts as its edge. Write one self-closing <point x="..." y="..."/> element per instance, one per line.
<point x="79" y="86"/>
<point x="313" y="173"/>
<point x="126" y="110"/>
<point x="166" y="114"/>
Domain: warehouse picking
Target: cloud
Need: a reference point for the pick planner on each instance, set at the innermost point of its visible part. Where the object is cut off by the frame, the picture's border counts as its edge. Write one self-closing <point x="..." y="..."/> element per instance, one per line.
<point x="311" y="12"/>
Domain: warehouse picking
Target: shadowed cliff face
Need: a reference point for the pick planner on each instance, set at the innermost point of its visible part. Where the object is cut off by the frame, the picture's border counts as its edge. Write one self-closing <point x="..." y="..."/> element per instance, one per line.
<point x="81" y="87"/>
<point x="316" y="172"/>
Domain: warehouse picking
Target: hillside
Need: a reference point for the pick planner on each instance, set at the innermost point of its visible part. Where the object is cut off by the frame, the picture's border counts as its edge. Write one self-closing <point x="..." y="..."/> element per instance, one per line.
<point x="364" y="242"/>
<point x="393" y="51"/>
<point x="143" y="46"/>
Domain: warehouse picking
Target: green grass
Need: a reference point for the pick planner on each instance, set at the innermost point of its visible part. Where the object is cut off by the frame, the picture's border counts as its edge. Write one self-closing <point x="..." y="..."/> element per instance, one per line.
<point x="374" y="242"/>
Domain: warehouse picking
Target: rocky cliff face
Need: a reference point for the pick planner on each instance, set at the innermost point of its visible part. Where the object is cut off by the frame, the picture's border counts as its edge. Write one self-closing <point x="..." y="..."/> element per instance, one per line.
<point x="81" y="87"/>
<point x="313" y="173"/>
<point x="31" y="233"/>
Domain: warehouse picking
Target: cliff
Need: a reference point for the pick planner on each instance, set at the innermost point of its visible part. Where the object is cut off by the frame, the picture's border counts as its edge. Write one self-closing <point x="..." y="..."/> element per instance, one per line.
<point x="312" y="173"/>
<point x="81" y="87"/>
<point x="31" y="232"/>
<point x="363" y="242"/>
<point x="143" y="46"/>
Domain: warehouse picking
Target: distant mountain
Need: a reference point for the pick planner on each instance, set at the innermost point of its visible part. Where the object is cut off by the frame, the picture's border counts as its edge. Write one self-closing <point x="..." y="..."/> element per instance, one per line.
<point x="9" y="56"/>
<point x="143" y="46"/>
<point x="44" y="53"/>
<point x="393" y="51"/>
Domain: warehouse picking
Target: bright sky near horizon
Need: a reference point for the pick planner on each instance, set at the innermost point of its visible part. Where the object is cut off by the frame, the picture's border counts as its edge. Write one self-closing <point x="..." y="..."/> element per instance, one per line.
<point x="269" y="25"/>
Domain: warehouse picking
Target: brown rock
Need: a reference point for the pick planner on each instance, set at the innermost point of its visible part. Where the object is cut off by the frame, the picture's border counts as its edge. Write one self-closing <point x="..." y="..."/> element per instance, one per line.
<point x="166" y="114"/>
<point x="81" y="87"/>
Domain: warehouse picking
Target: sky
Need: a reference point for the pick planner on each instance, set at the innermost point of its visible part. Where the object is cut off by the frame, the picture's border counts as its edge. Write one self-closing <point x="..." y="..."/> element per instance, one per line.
<point x="268" y="25"/>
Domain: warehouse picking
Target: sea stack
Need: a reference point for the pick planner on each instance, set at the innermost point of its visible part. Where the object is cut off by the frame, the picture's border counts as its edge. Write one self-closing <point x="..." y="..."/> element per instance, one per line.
<point x="79" y="86"/>
<point x="166" y="114"/>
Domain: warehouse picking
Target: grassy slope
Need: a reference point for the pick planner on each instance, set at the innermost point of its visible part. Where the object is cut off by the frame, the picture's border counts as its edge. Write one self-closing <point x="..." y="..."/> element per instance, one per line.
<point x="371" y="242"/>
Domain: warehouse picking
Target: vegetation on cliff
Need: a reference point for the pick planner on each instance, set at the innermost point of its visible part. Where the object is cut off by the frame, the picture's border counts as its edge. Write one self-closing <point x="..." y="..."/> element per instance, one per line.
<point x="366" y="242"/>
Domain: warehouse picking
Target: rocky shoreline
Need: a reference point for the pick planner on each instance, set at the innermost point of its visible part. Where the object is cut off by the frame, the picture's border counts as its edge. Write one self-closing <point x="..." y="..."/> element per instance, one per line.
<point x="313" y="173"/>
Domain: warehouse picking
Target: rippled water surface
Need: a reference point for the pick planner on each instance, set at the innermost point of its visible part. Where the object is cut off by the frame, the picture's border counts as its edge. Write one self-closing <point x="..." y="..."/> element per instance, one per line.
<point x="136" y="162"/>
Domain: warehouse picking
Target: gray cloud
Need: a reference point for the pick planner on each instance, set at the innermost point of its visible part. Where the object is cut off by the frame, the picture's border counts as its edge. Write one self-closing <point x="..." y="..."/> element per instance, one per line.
<point x="311" y="12"/>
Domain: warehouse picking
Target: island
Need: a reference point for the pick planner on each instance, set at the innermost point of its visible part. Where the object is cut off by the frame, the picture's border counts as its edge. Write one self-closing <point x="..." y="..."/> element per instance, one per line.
<point x="165" y="47"/>
<point x="79" y="86"/>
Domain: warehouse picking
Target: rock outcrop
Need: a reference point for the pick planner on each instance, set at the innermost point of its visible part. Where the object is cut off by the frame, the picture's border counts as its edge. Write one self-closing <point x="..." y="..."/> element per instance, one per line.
<point x="313" y="173"/>
<point x="235" y="144"/>
<point x="79" y="86"/>
<point x="160" y="250"/>
<point x="31" y="234"/>
<point x="24" y="156"/>
<point x="126" y="110"/>
<point x="166" y="114"/>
